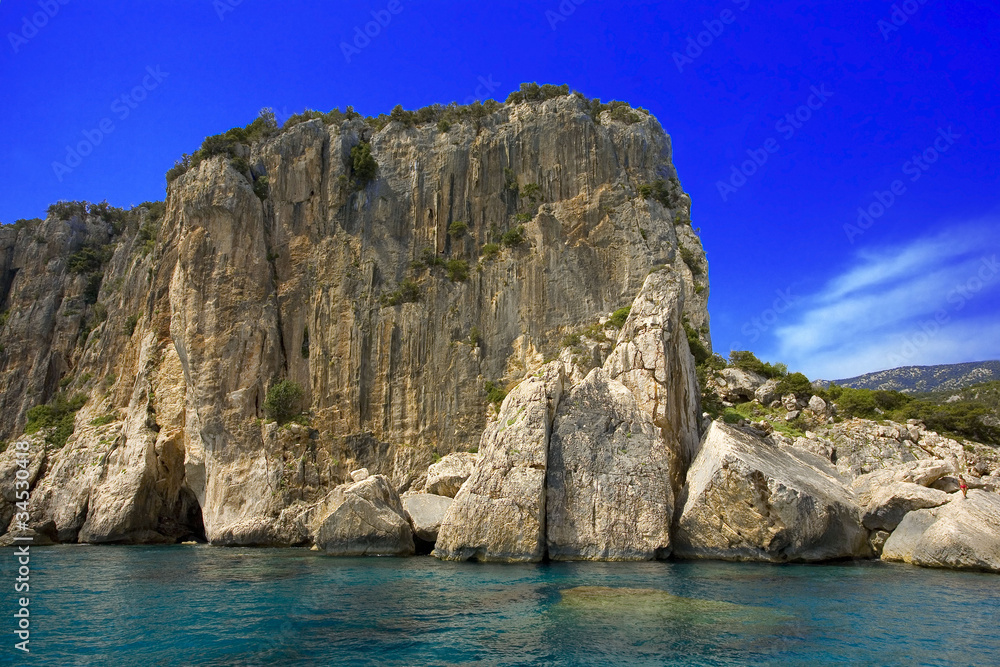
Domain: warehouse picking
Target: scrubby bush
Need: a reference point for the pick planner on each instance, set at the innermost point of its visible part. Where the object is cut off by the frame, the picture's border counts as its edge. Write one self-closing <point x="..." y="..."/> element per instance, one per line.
<point x="281" y="402"/>
<point x="689" y="258"/>
<point x="130" y="323"/>
<point x="514" y="237"/>
<point x="261" y="187"/>
<point x="93" y="288"/>
<point x="88" y="258"/>
<point x="179" y="169"/>
<point x="401" y="115"/>
<point x="155" y="209"/>
<point x="58" y="415"/>
<point x="571" y="340"/>
<point x="532" y="92"/>
<point x="747" y="361"/>
<point x="407" y="292"/>
<point x="475" y="337"/>
<point x="656" y="190"/>
<point x="428" y="259"/>
<point x="457" y="229"/>
<point x="64" y="210"/>
<point x="618" y="317"/>
<point x="495" y="393"/>
<point x="103" y="419"/>
<point x="363" y="165"/>
<point x="698" y="349"/>
<point x="620" y="111"/>
<point x="510" y="180"/>
<point x="794" y="383"/>
<point x="306" y="115"/>
<point x="458" y="270"/>
<point x="532" y="191"/>
<point x="490" y="251"/>
<point x="967" y="419"/>
<point x="228" y="143"/>
<point x="443" y="125"/>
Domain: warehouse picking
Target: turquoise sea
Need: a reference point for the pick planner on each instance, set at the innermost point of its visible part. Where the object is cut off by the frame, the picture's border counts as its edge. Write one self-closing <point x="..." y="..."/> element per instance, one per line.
<point x="187" y="605"/>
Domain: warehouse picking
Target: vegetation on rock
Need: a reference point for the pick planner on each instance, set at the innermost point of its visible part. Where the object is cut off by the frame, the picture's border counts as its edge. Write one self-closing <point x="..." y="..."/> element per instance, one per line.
<point x="58" y="417"/>
<point x="282" y="400"/>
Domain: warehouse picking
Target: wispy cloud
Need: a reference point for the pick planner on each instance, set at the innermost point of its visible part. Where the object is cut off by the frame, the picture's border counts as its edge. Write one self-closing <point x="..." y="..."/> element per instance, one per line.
<point x="930" y="301"/>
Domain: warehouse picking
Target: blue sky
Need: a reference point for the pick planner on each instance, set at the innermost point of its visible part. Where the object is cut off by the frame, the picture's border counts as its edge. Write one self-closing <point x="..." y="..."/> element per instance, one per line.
<point x="785" y="120"/>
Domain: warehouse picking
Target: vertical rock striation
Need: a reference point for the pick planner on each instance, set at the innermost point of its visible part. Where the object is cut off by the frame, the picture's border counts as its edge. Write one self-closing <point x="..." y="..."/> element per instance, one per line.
<point x="282" y="264"/>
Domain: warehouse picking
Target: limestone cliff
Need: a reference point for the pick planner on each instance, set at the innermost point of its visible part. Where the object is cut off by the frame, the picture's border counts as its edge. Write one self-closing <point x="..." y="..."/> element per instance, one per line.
<point x="285" y="263"/>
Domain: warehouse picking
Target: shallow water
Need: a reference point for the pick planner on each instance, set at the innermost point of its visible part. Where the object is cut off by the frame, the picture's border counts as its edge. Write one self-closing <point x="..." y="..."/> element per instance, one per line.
<point x="216" y="606"/>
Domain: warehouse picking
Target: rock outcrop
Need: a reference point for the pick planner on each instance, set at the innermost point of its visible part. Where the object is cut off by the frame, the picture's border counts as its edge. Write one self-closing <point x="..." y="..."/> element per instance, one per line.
<point x="499" y="514"/>
<point x="389" y="301"/>
<point x="368" y="520"/>
<point x="885" y="507"/>
<point x="962" y="534"/>
<point x="426" y="512"/>
<point x="586" y="470"/>
<point x="447" y="476"/>
<point x="608" y="493"/>
<point x="749" y="499"/>
<point x="653" y="360"/>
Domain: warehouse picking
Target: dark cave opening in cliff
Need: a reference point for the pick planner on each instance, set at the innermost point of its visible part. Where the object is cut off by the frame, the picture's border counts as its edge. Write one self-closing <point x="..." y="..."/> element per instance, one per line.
<point x="422" y="547"/>
<point x="188" y="524"/>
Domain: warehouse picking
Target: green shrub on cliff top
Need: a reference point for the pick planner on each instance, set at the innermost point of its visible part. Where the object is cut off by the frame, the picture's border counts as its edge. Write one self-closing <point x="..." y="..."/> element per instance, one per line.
<point x="748" y="361"/>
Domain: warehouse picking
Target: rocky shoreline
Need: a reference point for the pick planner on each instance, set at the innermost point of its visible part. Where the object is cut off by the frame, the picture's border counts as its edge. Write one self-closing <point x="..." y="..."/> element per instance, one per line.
<point x="475" y="339"/>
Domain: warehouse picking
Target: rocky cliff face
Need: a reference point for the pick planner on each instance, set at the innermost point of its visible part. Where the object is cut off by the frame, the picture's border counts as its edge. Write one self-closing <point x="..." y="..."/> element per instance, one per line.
<point x="174" y="329"/>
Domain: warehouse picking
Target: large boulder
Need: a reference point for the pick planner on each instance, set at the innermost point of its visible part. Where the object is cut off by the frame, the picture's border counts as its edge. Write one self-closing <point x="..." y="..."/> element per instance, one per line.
<point x="818" y="406"/>
<point x="426" y="511"/>
<point x="653" y="359"/>
<point x="499" y="513"/>
<point x="750" y="499"/>
<point x="736" y="385"/>
<point x="962" y="534"/>
<point x="447" y="476"/>
<point x="367" y="519"/>
<point x="884" y="507"/>
<point x="767" y="392"/>
<point x="608" y="492"/>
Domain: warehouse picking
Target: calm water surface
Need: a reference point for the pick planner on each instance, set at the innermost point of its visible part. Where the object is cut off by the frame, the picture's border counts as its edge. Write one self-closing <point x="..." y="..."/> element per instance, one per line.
<point x="215" y="606"/>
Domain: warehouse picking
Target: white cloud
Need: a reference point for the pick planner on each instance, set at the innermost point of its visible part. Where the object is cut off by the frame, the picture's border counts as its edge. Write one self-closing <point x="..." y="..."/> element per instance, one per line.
<point x="930" y="301"/>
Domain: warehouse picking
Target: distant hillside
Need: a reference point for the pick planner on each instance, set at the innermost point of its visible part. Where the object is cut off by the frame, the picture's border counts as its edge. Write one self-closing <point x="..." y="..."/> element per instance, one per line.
<point x="912" y="379"/>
